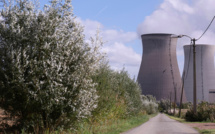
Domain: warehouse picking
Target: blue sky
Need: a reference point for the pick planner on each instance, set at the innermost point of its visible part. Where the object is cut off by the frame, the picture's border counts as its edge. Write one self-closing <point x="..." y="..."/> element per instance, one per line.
<point x="117" y="14"/>
<point x="122" y="22"/>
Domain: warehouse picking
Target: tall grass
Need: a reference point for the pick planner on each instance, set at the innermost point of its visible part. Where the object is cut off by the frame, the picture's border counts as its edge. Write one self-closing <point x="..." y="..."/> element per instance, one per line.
<point x="112" y="126"/>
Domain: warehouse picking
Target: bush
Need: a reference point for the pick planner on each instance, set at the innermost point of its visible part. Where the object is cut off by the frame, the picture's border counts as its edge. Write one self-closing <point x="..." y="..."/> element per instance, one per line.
<point x="205" y="112"/>
<point x="190" y="116"/>
<point x="45" y="66"/>
<point x="164" y="105"/>
<point x="119" y="94"/>
<point x="149" y="104"/>
<point x="186" y="105"/>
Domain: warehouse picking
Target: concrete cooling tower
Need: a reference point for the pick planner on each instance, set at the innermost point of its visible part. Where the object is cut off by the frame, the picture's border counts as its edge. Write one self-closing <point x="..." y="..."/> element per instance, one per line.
<point x="159" y="73"/>
<point x="205" y="73"/>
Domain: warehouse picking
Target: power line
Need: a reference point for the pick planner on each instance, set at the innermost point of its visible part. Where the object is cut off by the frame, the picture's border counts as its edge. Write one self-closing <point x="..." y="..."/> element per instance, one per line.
<point x="206" y="28"/>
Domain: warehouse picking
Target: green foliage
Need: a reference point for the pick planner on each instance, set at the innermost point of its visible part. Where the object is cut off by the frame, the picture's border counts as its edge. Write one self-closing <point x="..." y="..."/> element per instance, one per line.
<point x="45" y="66"/>
<point x="207" y="131"/>
<point x="175" y="117"/>
<point x="119" y="94"/>
<point x="205" y="112"/>
<point x="164" y="105"/>
<point x="191" y="116"/>
<point x="186" y="105"/>
<point x="114" y="126"/>
<point x="149" y="104"/>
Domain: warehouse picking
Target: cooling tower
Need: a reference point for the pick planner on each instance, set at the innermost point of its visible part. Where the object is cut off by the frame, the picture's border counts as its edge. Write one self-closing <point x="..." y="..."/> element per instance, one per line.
<point x="159" y="73"/>
<point x="205" y="73"/>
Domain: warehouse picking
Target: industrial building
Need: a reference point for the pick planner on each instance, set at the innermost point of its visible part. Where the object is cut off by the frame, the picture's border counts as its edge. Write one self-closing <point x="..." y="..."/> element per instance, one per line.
<point x="205" y="72"/>
<point x="159" y="73"/>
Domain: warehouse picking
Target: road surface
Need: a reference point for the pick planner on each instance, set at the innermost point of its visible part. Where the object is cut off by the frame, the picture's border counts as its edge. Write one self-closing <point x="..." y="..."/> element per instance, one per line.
<point x="161" y="124"/>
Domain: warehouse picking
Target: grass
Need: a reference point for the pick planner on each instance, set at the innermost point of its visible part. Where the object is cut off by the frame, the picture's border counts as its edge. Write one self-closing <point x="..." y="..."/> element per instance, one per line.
<point x="107" y="127"/>
<point x="114" y="127"/>
<point x="177" y="118"/>
<point x="204" y="131"/>
<point x="184" y="121"/>
<point x="208" y="131"/>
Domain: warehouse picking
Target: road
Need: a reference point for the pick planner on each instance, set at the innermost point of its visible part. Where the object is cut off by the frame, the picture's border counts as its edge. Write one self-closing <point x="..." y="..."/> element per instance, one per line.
<point x="161" y="124"/>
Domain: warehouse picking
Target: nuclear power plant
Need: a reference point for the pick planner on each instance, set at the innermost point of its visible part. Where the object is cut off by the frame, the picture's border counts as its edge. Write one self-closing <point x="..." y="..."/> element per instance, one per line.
<point x="205" y="73"/>
<point x="159" y="73"/>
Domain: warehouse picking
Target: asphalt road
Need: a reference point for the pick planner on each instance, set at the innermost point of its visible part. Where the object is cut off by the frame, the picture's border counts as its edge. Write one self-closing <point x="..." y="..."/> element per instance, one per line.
<point x="161" y="124"/>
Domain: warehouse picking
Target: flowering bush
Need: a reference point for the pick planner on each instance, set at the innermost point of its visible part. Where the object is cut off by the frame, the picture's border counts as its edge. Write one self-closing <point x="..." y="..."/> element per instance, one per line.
<point x="45" y="66"/>
<point x="149" y="104"/>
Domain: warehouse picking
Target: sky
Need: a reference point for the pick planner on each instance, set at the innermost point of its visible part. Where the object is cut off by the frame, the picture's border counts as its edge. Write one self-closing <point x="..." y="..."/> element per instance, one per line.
<point x="122" y="22"/>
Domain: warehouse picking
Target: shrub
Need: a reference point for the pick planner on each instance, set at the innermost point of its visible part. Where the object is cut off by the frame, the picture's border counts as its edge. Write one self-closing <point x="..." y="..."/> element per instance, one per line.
<point x="132" y="94"/>
<point x="190" y="116"/>
<point x="186" y="105"/>
<point x="205" y="112"/>
<point x="45" y="66"/>
<point x="164" y="105"/>
<point x="119" y="94"/>
<point x="149" y="104"/>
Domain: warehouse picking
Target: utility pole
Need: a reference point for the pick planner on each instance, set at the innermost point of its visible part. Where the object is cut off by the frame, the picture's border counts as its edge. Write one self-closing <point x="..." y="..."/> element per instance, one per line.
<point x="181" y="94"/>
<point x="175" y="87"/>
<point x="194" y="75"/>
<point x="170" y="102"/>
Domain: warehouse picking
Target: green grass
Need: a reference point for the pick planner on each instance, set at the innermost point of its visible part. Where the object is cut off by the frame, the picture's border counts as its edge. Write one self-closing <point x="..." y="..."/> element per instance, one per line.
<point x="177" y="118"/>
<point x="114" y="127"/>
<point x="207" y="131"/>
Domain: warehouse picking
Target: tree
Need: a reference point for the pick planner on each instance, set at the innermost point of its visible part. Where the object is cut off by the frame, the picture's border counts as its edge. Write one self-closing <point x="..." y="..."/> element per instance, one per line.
<point x="45" y="66"/>
<point x="119" y="95"/>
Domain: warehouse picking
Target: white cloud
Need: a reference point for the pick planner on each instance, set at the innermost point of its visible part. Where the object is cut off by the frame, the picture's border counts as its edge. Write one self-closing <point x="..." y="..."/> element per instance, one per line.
<point x="122" y="56"/>
<point x="177" y="5"/>
<point x="119" y="55"/>
<point x="204" y="8"/>
<point x="189" y="17"/>
<point x="90" y="26"/>
<point x="109" y="35"/>
<point x="119" y="36"/>
<point x="171" y="17"/>
<point x="179" y="17"/>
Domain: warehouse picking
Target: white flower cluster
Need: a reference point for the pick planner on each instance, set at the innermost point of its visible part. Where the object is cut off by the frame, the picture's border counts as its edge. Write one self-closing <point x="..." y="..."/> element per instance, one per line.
<point x="149" y="104"/>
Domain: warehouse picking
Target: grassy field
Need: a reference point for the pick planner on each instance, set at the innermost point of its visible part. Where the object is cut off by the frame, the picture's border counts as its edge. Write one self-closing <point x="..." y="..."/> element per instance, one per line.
<point x="114" y="127"/>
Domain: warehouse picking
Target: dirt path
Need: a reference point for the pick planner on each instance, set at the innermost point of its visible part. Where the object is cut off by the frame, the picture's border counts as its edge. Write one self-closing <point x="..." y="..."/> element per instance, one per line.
<point x="161" y="124"/>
